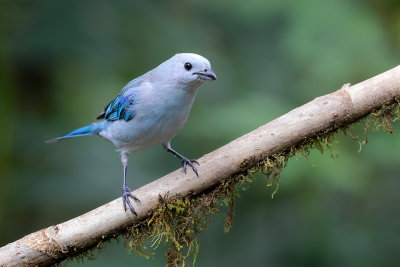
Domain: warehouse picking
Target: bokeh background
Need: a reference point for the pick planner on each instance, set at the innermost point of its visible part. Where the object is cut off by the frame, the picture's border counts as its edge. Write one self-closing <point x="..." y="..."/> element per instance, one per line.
<point x="63" y="61"/>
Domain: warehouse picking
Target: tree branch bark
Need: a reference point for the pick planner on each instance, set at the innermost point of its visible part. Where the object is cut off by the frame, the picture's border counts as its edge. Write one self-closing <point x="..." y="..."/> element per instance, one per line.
<point x="348" y="104"/>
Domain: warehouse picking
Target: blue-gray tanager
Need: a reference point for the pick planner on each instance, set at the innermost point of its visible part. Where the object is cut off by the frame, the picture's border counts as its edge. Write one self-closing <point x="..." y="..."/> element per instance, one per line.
<point x="151" y="110"/>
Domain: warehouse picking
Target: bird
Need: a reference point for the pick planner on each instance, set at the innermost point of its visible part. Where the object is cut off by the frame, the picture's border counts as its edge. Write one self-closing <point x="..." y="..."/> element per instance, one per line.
<point x="150" y="110"/>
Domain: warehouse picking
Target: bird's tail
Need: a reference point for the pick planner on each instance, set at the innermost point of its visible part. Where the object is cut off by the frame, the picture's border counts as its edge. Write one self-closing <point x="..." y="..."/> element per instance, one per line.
<point x="91" y="129"/>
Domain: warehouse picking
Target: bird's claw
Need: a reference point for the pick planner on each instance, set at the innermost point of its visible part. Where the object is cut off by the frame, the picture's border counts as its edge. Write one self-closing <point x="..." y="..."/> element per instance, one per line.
<point x="190" y="162"/>
<point x="126" y="193"/>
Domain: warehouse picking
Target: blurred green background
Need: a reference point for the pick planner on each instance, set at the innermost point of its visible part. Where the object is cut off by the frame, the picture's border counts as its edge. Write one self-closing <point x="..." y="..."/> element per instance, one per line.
<point x="63" y="61"/>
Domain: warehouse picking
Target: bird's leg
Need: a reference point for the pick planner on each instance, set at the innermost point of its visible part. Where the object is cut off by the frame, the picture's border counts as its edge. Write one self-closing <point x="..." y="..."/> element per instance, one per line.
<point x="184" y="160"/>
<point x="126" y="191"/>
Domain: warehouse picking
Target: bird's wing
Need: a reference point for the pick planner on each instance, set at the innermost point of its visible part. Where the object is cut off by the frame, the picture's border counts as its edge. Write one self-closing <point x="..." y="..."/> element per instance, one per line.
<point x="119" y="108"/>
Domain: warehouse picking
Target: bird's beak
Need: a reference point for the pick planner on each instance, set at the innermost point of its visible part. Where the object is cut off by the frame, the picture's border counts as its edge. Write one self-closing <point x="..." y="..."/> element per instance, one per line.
<point x="206" y="75"/>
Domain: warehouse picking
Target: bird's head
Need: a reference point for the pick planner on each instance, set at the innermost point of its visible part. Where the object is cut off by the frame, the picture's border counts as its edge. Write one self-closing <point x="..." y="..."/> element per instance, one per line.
<point x="188" y="68"/>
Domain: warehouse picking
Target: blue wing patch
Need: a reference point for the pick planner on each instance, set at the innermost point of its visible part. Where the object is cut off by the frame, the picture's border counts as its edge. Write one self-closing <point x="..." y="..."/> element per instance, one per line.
<point x="119" y="109"/>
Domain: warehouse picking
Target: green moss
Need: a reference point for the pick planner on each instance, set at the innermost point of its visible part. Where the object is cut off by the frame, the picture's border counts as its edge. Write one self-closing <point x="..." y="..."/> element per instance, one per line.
<point x="381" y="119"/>
<point x="384" y="118"/>
<point x="178" y="220"/>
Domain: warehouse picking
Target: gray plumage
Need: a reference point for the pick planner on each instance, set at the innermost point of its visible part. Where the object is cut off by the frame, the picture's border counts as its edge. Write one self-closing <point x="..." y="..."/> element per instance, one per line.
<point x="151" y="110"/>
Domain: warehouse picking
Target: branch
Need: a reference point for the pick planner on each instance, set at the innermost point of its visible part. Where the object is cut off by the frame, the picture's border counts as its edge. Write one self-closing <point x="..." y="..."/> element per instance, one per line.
<point x="326" y="113"/>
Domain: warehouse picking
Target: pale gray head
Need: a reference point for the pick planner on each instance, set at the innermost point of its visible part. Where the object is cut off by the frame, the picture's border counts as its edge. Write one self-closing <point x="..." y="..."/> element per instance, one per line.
<point x="188" y="68"/>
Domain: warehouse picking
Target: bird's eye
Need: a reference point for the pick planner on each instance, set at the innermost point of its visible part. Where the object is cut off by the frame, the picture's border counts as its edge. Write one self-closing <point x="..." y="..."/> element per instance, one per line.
<point x="188" y="66"/>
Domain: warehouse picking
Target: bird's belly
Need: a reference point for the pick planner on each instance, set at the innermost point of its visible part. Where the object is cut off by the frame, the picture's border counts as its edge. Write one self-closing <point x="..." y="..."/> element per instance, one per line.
<point x="142" y="132"/>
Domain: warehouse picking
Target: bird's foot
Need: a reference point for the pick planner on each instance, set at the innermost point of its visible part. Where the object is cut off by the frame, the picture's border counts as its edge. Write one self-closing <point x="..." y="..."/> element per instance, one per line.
<point x="126" y="193"/>
<point x="189" y="162"/>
